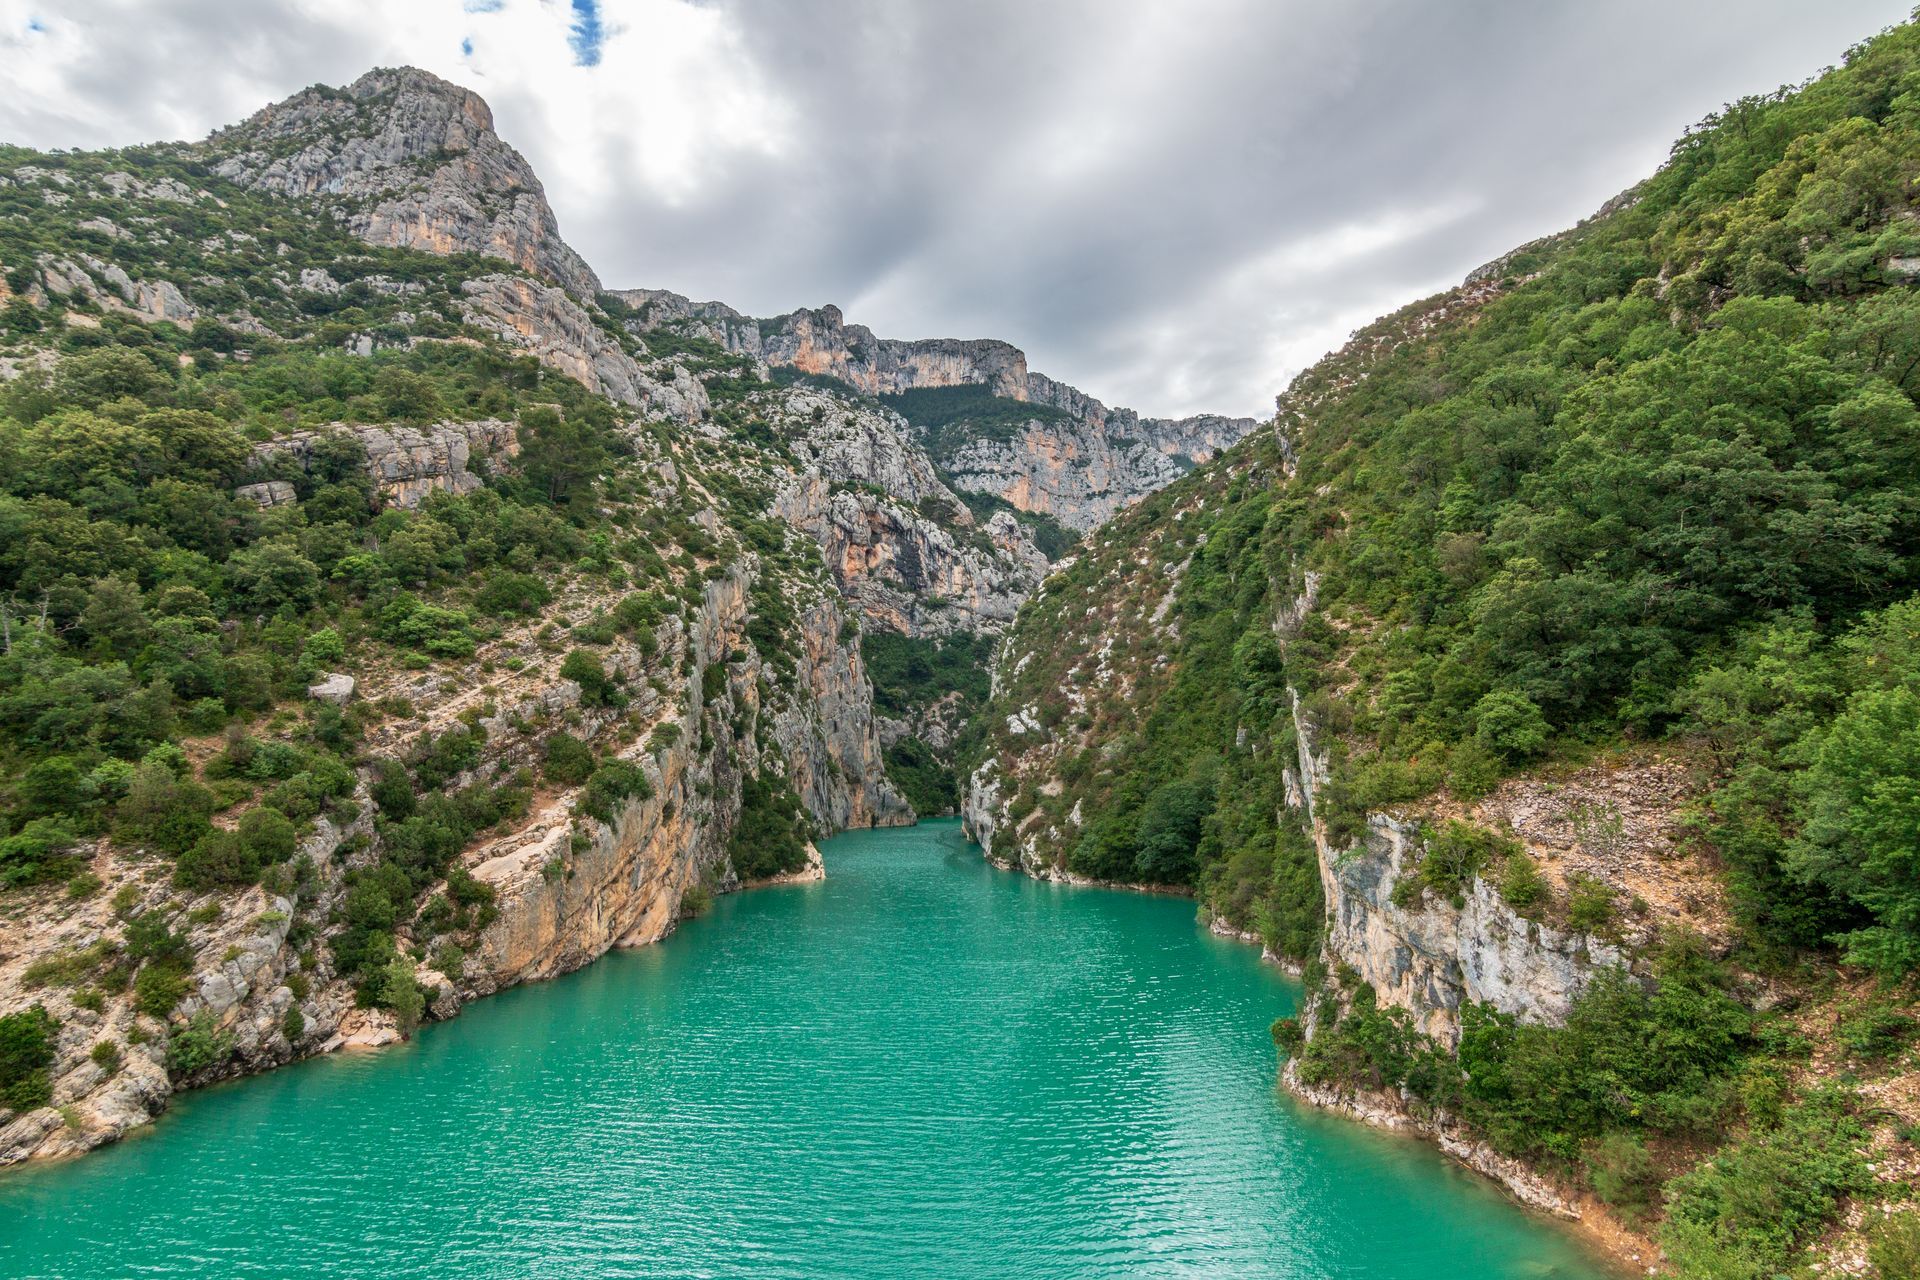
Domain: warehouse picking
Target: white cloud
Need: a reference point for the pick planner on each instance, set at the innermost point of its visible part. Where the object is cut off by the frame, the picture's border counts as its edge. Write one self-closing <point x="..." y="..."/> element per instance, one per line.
<point x="1173" y="206"/>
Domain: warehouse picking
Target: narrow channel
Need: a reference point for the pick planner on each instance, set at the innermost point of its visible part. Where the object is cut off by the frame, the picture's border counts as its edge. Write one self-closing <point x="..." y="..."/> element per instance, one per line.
<point x="920" y="1066"/>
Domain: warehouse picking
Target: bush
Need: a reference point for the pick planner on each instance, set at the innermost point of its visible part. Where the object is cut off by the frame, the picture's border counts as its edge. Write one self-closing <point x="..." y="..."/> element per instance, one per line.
<point x="567" y="760"/>
<point x="392" y="790"/>
<point x="401" y="993"/>
<point x="1522" y="887"/>
<point x="596" y="687"/>
<point x="26" y="1057"/>
<point x="1750" y="1209"/>
<point x="1893" y="1246"/>
<point x="1590" y="904"/>
<point x="1875" y="1031"/>
<point x="512" y="594"/>
<point x="220" y="858"/>
<point x="1509" y="725"/>
<point x="157" y="988"/>
<point x="612" y="785"/>
<point x="267" y="835"/>
<point x="1622" y="1173"/>
<point x="37" y="853"/>
<point x="197" y="1045"/>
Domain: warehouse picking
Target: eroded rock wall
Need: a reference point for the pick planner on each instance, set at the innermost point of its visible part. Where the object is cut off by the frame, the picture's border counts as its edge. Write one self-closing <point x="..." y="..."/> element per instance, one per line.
<point x="415" y="163"/>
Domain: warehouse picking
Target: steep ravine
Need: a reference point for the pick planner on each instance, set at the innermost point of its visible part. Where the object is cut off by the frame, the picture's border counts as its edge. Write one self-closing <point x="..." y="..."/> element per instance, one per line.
<point x="561" y="902"/>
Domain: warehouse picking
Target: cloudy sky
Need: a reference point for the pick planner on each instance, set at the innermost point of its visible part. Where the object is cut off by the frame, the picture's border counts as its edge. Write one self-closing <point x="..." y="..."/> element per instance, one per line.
<point x="1174" y="204"/>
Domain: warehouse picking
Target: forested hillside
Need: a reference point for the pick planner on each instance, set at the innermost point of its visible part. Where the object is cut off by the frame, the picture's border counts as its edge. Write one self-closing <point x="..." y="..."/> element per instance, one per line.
<point x="1637" y="501"/>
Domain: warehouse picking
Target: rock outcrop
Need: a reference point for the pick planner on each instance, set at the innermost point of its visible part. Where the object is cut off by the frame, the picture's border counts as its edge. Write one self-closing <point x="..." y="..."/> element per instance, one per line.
<point x="406" y="463"/>
<point x="905" y="573"/>
<point x="561" y="334"/>
<point x="1084" y="471"/>
<point x="1433" y="957"/>
<point x="1080" y="463"/>
<point x="107" y="285"/>
<point x="413" y="162"/>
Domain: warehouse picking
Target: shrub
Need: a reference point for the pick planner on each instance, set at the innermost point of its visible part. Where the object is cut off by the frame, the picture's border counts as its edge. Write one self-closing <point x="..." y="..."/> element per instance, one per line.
<point x="220" y="858"/>
<point x="1522" y="887"/>
<point x="1875" y="1031"/>
<point x="197" y="1045"/>
<point x="401" y="993"/>
<point x="392" y="790"/>
<point x="1590" y="904"/>
<point x="106" y="1056"/>
<point x="157" y="988"/>
<point x="1893" y="1246"/>
<point x="1622" y="1173"/>
<point x="567" y="760"/>
<point x="512" y="593"/>
<point x="267" y="835"/>
<point x="1509" y="725"/>
<point x="37" y="853"/>
<point x="26" y="1057"/>
<point x="1749" y="1209"/>
<point x="612" y="785"/>
<point x="294" y="1024"/>
<point x="584" y="669"/>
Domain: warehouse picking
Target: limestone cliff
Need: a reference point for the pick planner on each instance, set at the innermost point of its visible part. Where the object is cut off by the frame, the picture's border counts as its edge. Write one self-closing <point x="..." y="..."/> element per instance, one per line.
<point x="567" y="888"/>
<point x="1079" y="464"/>
<point x="562" y="335"/>
<point x="412" y="161"/>
<point x="901" y="545"/>
<point x="406" y="463"/>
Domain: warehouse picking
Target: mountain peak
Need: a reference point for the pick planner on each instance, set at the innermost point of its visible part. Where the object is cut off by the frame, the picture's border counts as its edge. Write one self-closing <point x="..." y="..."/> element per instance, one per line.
<point x="416" y="162"/>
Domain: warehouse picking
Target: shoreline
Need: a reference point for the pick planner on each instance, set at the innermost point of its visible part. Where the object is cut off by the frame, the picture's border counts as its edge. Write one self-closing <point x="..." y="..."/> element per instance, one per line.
<point x="368" y="1031"/>
<point x="1613" y="1246"/>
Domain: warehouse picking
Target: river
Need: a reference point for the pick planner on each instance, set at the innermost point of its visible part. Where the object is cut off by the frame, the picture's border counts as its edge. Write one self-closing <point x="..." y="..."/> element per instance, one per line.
<point x="921" y="1066"/>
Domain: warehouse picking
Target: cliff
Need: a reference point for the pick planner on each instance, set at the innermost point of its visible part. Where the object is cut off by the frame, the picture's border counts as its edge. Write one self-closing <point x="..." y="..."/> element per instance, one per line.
<point x="409" y="160"/>
<point x="565" y="888"/>
<point x="1079" y="464"/>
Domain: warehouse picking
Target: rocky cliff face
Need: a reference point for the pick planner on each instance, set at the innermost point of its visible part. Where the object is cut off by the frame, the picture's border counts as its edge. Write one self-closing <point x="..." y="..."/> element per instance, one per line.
<point x="411" y="161"/>
<point x="406" y="463"/>
<point x="1083" y="472"/>
<point x="562" y="334"/>
<point x="1079" y="465"/>
<point x="907" y="574"/>
<point x="901" y="545"/>
<point x="568" y="888"/>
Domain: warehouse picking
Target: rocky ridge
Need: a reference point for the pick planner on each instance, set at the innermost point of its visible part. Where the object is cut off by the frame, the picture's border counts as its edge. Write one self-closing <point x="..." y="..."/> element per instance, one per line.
<point x="1079" y="465"/>
<point x="411" y="160"/>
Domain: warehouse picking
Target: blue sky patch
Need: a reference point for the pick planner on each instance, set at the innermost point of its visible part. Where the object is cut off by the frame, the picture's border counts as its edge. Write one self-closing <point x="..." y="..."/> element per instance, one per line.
<point x="586" y="35"/>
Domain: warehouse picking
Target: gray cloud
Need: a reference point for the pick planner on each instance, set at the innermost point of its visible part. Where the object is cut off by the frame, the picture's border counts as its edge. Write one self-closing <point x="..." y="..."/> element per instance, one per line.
<point x="1175" y="206"/>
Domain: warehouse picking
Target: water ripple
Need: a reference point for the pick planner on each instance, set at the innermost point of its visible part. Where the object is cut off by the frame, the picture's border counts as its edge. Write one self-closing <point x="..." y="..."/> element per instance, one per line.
<point x="922" y="1067"/>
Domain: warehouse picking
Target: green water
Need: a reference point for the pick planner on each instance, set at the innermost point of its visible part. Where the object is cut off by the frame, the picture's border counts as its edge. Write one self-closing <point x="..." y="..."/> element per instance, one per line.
<point x="920" y="1067"/>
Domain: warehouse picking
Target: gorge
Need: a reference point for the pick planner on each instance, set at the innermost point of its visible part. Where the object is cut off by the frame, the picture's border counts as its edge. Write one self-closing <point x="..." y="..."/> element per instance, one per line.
<point x="393" y="615"/>
<point x="919" y="1057"/>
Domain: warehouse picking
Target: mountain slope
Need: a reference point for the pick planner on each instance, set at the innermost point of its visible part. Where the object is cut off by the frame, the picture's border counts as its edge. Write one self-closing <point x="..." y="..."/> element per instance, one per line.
<point x="387" y="618"/>
<point x="1560" y="630"/>
<point x="993" y="426"/>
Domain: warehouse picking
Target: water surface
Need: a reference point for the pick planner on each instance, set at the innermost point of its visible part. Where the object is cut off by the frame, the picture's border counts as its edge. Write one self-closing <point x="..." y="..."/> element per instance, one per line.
<point x="920" y="1067"/>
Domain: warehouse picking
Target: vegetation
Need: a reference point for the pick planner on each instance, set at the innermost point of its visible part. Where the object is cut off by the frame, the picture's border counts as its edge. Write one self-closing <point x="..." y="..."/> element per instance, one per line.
<point x="771" y="836"/>
<point x="26" y="1052"/>
<point x="1648" y="481"/>
<point x="922" y="680"/>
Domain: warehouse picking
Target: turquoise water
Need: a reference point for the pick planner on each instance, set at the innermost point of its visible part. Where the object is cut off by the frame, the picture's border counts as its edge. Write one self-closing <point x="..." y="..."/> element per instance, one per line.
<point x="920" y="1067"/>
